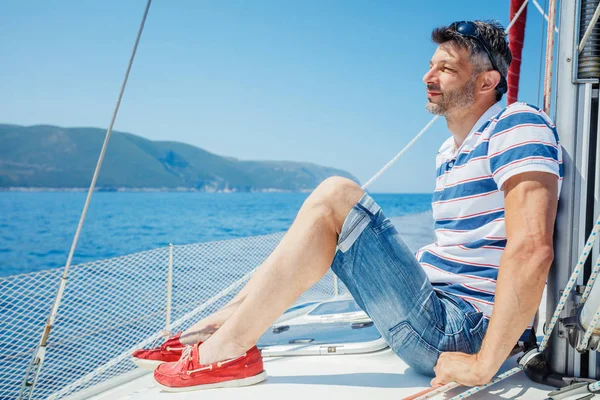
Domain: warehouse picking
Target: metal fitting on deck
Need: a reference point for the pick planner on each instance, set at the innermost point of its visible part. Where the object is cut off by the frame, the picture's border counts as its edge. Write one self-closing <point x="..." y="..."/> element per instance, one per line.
<point x="576" y="331"/>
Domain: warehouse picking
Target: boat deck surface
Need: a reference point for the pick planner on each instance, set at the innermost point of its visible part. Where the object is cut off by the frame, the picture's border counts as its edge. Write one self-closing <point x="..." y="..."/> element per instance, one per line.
<point x="378" y="375"/>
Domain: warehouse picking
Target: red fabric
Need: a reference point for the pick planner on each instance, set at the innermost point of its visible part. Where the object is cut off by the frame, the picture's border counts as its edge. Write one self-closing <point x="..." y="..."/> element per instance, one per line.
<point x="182" y="374"/>
<point x="169" y="351"/>
<point x="516" y="36"/>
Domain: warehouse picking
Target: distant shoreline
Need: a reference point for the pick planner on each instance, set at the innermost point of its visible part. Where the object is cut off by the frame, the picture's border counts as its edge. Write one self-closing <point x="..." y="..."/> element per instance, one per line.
<point x="65" y="156"/>
<point x="165" y="190"/>
<point x="146" y="190"/>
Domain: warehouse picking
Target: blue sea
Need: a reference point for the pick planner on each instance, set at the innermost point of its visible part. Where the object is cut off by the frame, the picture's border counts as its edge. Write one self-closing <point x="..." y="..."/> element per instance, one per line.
<point x="37" y="228"/>
<point x="108" y="308"/>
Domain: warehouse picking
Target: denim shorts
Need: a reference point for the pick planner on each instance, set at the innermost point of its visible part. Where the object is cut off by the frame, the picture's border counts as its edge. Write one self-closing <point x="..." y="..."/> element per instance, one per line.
<point x="386" y="280"/>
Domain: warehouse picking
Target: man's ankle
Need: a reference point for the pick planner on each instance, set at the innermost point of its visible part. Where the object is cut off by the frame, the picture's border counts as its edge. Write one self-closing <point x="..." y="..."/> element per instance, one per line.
<point x="194" y="335"/>
<point x="212" y="352"/>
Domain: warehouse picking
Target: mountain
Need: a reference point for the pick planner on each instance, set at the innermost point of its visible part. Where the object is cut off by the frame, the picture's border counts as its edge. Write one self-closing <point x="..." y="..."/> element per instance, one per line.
<point x="44" y="156"/>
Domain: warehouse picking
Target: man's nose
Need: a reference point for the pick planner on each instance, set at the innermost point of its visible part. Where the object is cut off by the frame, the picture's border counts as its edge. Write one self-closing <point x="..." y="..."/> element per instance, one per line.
<point x="430" y="76"/>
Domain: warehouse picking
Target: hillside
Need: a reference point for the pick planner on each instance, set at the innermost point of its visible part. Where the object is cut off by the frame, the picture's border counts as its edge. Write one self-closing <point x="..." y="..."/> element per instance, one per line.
<point x="46" y="156"/>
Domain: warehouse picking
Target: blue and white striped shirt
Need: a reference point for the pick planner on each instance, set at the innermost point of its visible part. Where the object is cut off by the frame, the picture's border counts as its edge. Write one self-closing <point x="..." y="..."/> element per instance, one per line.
<point x="468" y="202"/>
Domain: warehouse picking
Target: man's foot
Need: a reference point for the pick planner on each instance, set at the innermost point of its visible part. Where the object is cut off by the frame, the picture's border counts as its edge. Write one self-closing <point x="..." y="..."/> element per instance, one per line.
<point x="169" y="351"/>
<point x="187" y="374"/>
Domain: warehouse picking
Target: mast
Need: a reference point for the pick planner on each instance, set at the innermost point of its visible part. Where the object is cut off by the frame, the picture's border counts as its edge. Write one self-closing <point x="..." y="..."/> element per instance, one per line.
<point x="576" y="115"/>
<point x="516" y="38"/>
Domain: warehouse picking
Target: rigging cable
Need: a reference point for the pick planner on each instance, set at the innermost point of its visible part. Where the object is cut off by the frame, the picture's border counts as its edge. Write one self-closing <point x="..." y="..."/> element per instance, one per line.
<point x="32" y="374"/>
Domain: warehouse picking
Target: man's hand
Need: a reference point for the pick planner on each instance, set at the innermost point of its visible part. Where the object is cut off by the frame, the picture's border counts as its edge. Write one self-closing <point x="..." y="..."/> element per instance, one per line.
<point x="462" y="368"/>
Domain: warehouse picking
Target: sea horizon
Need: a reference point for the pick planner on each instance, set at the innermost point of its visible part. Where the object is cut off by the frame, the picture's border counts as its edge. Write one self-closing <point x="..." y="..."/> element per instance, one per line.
<point x="37" y="228"/>
<point x="167" y="190"/>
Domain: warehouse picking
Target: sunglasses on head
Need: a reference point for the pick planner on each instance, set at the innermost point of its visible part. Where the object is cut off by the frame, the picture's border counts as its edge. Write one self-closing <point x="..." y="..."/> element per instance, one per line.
<point x="469" y="29"/>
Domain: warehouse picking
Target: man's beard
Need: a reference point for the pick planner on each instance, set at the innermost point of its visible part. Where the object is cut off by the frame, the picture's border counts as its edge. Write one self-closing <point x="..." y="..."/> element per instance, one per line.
<point x="451" y="100"/>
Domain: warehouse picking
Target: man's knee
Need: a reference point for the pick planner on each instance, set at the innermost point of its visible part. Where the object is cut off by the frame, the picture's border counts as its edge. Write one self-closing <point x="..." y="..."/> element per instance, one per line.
<point x="335" y="197"/>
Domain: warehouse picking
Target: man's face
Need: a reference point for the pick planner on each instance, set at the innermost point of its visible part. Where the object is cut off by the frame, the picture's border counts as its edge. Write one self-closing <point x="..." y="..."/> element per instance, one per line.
<point x="450" y="80"/>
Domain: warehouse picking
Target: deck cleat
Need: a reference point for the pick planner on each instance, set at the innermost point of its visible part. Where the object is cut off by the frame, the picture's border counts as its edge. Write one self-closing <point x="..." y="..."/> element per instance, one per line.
<point x="576" y="326"/>
<point x="575" y="391"/>
<point x="536" y="368"/>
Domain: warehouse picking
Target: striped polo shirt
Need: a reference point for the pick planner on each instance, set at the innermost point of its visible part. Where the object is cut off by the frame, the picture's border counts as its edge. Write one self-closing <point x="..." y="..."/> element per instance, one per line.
<point x="468" y="201"/>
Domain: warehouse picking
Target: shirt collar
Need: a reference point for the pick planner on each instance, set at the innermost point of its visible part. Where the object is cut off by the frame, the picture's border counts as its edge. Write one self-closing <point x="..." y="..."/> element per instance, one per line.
<point x="489" y="114"/>
<point x="448" y="146"/>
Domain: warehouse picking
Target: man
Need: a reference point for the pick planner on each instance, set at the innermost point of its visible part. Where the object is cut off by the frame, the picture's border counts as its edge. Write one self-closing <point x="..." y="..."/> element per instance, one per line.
<point x="455" y="310"/>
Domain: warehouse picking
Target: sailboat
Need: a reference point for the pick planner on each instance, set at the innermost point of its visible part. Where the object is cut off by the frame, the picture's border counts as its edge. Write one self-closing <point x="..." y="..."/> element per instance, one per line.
<point x="324" y="345"/>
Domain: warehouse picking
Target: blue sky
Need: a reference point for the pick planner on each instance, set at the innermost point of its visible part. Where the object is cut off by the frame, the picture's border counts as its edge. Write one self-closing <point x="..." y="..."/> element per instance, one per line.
<point x="336" y="83"/>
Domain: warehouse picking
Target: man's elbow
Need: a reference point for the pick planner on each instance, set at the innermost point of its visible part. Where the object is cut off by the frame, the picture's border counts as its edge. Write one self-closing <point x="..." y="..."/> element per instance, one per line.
<point x="533" y="255"/>
<point x="544" y="258"/>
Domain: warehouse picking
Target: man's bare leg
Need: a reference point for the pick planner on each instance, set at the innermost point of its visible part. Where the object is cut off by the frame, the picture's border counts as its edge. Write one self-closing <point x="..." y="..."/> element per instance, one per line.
<point x="203" y="329"/>
<point x="302" y="258"/>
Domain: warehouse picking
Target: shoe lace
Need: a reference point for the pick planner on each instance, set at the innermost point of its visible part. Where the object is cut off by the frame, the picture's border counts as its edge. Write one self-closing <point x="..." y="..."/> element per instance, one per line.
<point x="186" y="357"/>
<point x="189" y="365"/>
<point x="187" y="352"/>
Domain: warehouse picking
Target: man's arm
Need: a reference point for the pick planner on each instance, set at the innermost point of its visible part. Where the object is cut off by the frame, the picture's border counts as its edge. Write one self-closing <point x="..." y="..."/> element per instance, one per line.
<point x="530" y="211"/>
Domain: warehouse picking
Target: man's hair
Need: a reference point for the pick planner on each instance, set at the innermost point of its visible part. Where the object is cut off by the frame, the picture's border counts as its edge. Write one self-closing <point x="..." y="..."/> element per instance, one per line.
<point x="494" y="36"/>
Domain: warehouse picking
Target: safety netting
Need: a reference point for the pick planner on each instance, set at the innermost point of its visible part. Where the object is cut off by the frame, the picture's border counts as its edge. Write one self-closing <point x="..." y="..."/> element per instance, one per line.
<point x="113" y="306"/>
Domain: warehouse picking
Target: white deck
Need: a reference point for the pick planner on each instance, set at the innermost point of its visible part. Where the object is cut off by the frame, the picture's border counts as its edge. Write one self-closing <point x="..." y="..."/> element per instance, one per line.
<point x="379" y="375"/>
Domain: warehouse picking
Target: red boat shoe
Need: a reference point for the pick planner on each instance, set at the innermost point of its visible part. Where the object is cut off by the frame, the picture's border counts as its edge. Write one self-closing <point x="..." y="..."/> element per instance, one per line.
<point x="187" y="374"/>
<point x="169" y="351"/>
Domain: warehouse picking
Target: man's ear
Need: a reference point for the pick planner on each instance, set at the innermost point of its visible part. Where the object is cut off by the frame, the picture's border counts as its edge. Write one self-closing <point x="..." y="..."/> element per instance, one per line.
<point x="489" y="81"/>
